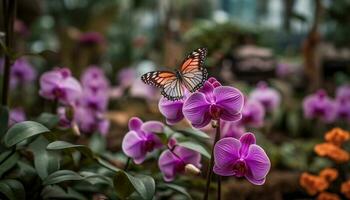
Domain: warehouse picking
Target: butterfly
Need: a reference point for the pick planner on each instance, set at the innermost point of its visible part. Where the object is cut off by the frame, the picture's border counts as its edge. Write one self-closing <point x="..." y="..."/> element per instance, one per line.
<point x="191" y="75"/>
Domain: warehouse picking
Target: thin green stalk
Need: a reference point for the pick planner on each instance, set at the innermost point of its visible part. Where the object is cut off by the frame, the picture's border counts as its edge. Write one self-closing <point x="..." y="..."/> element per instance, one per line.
<point x="127" y="164"/>
<point x="9" y="10"/>
<point x="211" y="165"/>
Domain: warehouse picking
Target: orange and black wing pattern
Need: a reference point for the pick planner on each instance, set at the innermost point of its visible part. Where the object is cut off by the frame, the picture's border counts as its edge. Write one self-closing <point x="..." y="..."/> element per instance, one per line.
<point x="192" y="70"/>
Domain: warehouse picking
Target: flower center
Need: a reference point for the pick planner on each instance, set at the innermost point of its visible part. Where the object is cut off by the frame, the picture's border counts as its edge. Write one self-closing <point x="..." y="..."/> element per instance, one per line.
<point x="240" y="168"/>
<point x="215" y="111"/>
<point x="180" y="166"/>
<point x="59" y="93"/>
<point x="149" y="145"/>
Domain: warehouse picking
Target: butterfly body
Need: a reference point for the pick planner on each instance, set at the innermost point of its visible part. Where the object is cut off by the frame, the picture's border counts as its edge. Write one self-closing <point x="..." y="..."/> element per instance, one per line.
<point x="190" y="76"/>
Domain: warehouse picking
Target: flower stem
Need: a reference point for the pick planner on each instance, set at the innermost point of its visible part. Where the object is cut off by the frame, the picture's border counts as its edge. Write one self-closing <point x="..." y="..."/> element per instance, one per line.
<point x="127" y="164"/>
<point x="219" y="188"/>
<point x="211" y="165"/>
<point x="9" y="10"/>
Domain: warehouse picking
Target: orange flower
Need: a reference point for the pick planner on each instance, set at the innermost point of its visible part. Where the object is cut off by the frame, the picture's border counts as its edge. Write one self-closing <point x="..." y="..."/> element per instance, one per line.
<point x="345" y="189"/>
<point x="327" y="196"/>
<point x="329" y="174"/>
<point x="313" y="184"/>
<point x="337" y="136"/>
<point x="332" y="151"/>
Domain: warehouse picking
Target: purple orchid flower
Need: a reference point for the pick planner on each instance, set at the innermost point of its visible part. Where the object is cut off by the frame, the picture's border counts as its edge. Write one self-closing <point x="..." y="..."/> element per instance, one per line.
<point x="319" y="105"/>
<point x="141" y="90"/>
<point x="94" y="79"/>
<point x="59" y="85"/>
<point x="213" y="102"/>
<point x="343" y="109"/>
<point x="253" y="114"/>
<point x="16" y="115"/>
<point x="343" y="92"/>
<point x="241" y="158"/>
<point x="22" y="72"/>
<point x="97" y="101"/>
<point x="90" y="120"/>
<point x="126" y="77"/>
<point x="173" y="161"/>
<point x="267" y="96"/>
<point x="171" y="110"/>
<point x="141" y="139"/>
<point x="231" y="129"/>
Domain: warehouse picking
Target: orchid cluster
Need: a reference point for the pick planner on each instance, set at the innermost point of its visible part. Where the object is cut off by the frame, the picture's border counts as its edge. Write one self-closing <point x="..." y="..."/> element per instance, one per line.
<point x="143" y="139"/>
<point x="324" y="183"/>
<point x="83" y="103"/>
<point x="221" y="106"/>
<point x="321" y="107"/>
<point x="22" y="73"/>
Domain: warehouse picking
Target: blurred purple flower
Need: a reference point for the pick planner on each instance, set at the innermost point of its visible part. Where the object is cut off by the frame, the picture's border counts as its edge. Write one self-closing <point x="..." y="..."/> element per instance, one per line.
<point x="213" y="101"/>
<point x="58" y="84"/>
<point x="141" y="90"/>
<point x="94" y="79"/>
<point x="63" y="120"/>
<point x="319" y="105"/>
<point x="22" y="72"/>
<point x="174" y="161"/>
<point x="343" y="92"/>
<point x="241" y="158"/>
<point x="343" y="109"/>
<point x="267" y="96"/>
<point x="126" y="77"/>
<point x="91" y="38"/>
<point x="97" y="101"/>
<point x="141" y="139"/>
<point x="253" y="114"/>
<point x="90" y="121"/>
<point x="231" y="129"/>
<point x="16" y="115"/>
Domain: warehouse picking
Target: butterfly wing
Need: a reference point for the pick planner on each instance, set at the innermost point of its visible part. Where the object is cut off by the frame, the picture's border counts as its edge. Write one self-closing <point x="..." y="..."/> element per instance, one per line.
<point x="193" y="73"/>
<point x="167" y="81"/>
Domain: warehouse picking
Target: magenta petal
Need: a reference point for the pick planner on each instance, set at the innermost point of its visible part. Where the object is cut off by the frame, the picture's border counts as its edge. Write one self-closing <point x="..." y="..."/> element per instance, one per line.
<point x="135" y="124"/>
<point x="246" y="140"/>
<point x="257" y="162"/>
<point x="152" y="127"/>
<point x="188" y="156"/>
<point x="226" y="152"/>
<point x="167" y="163"/>
<point x="172" y="110"/>
<point x="132" y="146"/>
<point x="225" y="170"/>
<point x="230" y="100"/>
<point x="254" y="181"/>
<point x="196" y="110"/>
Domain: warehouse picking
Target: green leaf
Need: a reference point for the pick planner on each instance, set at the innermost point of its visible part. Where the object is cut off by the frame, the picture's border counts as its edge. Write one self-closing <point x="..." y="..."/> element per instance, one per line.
<point x="107" y="165"/>
<point x="4" y="118"/>
<point x="97" y="143"/>
<point x="56" y="192"/>
<point x="62" y="145"/>
<point x="194" y="133"/>
<point x="125" y="184"/>
<point x="45" y="162"/>
<point x="48" y="119"/>
<point x="12" y="189"/>
<point x="68" y="175"/>
<point x="23" y="130"/>
<point x="62" y="175"/>
<point x="195" y="147"/>
<point x="178" y="189"/>
<point x="8" y="163"/>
